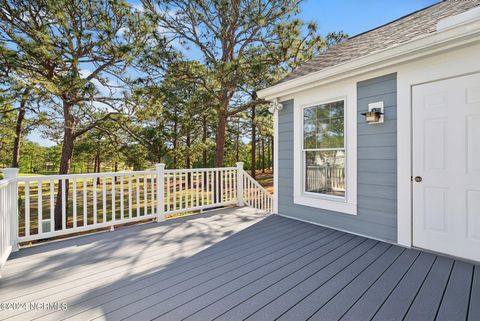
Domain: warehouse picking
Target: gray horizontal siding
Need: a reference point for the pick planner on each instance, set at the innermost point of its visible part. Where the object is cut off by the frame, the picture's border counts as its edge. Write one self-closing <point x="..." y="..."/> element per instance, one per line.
<point x="376" y="165"/>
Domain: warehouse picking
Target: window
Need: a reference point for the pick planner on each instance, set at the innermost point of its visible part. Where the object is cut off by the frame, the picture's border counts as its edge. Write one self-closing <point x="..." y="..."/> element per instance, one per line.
<point x="324" y="149"/>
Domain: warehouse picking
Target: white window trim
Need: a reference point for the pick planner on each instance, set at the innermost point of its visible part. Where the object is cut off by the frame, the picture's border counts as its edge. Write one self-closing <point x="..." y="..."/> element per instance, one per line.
<point x="347" y="204"/>
<point x="304" y="150"/>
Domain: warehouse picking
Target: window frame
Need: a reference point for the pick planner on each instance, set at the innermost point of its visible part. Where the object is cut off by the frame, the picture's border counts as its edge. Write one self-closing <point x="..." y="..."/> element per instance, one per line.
<point x="346" y="91"/>
<point x="342" y="199"/>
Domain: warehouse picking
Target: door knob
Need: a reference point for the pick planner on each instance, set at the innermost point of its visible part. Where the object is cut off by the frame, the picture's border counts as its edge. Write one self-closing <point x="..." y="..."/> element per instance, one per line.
<point x="418" y="179"/>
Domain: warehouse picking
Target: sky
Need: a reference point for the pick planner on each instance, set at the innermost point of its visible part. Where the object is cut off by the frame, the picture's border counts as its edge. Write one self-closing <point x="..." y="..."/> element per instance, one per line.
<point x="357" y="16"/>
<point x="350" y="16"/>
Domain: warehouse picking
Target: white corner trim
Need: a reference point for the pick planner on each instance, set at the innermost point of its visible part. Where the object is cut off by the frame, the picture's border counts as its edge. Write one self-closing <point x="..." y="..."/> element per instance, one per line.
<point x="429" y="44"/>
<point x="275" y="161"/>
<point x="346" y="91"/>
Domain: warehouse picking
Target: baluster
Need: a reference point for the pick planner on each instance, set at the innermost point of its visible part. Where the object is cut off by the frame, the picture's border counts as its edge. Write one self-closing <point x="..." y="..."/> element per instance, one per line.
<point x="202" y="188"/>
<point x="74" y="204"/>
<point x="122" y="205"/>
<point x="94" y="187"/>
<point x="137" y="181"/>
<point x="104" y="201"/>
<point x="180" y="189"/>
<point x="174" y="191"/>
<point x="167" y="176"/>
<point x="264" y="201"/>
<point x="145" y="194"/>
<point x="252" y="189"/>
<point x="85" y="218"/>
<point x="113" y="198"/>
<point x="221" y="174"/>
<point x="231" y="185"/>
<point x="52" y="205"/>
<point x="152" y="194"/>
<point x="64" y="205"/>
<point x="129" y="196"/>
<point x="27" y="208"/>
<point x="207" y="182"/>
<point x="217" y="186"/>
<point x="40" y="207"/>
<point x="192" y="192"/>
<point x="197" y="200"/>
<point x="246" y="190"/>
<point x="234" y="187"/>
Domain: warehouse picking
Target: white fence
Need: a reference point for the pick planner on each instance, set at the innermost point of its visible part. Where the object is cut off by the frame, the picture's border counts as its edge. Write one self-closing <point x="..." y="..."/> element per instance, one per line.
<point x="56" y="205"/>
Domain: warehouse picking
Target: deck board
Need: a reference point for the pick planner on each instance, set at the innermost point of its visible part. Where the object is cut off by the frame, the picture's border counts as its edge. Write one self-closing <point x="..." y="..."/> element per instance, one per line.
<point x="341" y="303"/>
<point x="399" y="301"/>
<point x="457" y="294"/>
<point x="236" y="264"/>
<point x="429" y="297"/>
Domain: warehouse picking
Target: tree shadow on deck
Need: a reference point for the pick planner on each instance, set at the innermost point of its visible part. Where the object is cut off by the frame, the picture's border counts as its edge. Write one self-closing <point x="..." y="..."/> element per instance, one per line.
<point x="77" y="271"/>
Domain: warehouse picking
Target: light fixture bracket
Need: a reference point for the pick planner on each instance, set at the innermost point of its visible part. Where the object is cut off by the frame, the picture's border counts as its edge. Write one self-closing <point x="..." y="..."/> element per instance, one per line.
<point x="375" y="114"/>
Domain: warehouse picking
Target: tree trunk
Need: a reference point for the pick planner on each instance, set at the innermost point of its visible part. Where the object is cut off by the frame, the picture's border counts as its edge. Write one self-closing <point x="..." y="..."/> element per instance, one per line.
<point x="269" y="150"/>
<point x="273" y="153"/>
<point x="237" y="147"/>
<point x="97" y="168"/>
<point x="263" y="154"/>
<point x="221" y="131"/>
<point x="65" y="160"/>
<point x="254" y="146"/>
<point x="174" y="158"/>
<point x="188" y="159"/>
<point x="19" y="127"/>
<point x="204" y="141"/>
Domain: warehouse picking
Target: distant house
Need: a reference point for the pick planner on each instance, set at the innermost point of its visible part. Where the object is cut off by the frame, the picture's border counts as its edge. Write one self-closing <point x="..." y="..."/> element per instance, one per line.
<point x="407" y="172"/>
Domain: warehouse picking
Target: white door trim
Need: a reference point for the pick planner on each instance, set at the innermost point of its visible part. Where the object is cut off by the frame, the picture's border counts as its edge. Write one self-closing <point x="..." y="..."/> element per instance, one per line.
<point x="449" y="181"/>
<point x="448" y="65"/>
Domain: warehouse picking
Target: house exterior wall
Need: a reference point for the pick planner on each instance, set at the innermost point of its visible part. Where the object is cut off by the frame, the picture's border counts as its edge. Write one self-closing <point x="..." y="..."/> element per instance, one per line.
<point x="376" y="160"/>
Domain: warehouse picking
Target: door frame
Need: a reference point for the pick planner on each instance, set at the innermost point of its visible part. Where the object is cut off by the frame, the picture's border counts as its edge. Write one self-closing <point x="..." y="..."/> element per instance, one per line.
<point x="405" y="144"/>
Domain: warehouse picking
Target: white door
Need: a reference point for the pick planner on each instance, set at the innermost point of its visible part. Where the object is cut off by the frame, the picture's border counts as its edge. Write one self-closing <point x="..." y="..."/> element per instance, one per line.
<point x="446" y="166"/>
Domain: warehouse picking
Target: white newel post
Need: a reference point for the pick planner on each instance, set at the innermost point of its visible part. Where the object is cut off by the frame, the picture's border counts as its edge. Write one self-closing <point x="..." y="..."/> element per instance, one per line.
<point x="12" y="173"/>
<point x="160" y="169"/>
<point x="239" y="183"/>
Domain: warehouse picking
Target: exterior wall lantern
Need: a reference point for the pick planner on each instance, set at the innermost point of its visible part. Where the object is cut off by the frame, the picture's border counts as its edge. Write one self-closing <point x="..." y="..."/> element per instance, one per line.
<point x="375" y="114"/>
<point x="275" y="106"/>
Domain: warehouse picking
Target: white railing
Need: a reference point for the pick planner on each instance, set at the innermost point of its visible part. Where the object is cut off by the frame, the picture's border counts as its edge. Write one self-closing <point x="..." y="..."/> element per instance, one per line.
<point x="255" y="195"/>
<point x="8" y="208"/>
<point x="56" y="205"/>
<point x="42" y="207"/>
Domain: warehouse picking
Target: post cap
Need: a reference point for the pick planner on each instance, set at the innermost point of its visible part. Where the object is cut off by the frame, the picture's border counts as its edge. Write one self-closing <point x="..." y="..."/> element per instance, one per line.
<point x="10" y="172"/>
<point x="240" y="164"/>
<point x="160" y="166"/>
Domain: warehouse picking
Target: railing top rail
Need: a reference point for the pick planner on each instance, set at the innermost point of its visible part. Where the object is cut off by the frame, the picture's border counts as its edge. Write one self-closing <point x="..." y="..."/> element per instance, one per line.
<point x="86" y="175"/>
<point x="198" y="169"/>
<point x="6" y="181"/>
<point x="118" y="174"/>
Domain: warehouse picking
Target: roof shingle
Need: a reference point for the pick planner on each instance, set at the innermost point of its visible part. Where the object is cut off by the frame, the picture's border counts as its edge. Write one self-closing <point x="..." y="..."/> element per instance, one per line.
<point x="406" y="28"/>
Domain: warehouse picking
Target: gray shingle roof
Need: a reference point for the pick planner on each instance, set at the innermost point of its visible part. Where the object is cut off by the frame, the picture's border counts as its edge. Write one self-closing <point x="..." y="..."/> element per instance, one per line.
<point x="416" y="24"/>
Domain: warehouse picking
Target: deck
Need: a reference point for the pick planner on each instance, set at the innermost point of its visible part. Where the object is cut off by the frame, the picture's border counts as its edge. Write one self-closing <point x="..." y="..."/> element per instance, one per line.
<point x="236" y="264"/>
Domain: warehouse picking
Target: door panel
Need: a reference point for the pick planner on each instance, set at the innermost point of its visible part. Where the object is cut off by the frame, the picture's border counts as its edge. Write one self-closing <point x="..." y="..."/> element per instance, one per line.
<point x="446" y="155"/>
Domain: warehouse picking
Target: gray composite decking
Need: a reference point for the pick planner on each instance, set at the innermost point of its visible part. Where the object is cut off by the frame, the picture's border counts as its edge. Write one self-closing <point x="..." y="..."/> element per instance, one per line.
<point x="236" y="264"/>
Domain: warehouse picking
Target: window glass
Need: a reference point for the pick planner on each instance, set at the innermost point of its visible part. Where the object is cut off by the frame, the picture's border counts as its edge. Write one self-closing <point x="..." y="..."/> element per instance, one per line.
<point x="324" y="148"/>
<point x="325" y="172"/>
